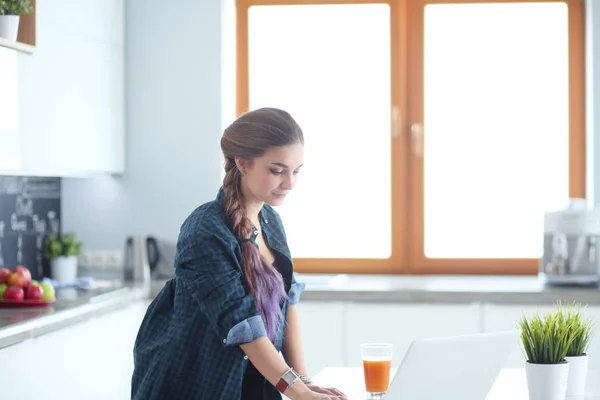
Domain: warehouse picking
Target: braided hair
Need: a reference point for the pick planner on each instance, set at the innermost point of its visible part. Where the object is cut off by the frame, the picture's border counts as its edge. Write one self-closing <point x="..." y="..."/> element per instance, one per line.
<point x="248" y="137"/>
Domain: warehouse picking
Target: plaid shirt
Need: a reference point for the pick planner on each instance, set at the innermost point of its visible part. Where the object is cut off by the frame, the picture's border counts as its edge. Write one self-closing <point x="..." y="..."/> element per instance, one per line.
<point x="187" y="346"/>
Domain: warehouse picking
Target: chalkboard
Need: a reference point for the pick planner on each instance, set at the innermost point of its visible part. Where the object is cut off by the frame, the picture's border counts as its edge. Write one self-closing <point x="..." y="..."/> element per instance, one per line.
<point x="29" y="211"/>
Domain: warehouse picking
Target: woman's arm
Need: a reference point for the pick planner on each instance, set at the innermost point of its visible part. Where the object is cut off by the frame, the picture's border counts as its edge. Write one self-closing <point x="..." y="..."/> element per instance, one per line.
<point x="294" y="356"/>
<point x="292" y="342"/>
<point x="269" y="363"/>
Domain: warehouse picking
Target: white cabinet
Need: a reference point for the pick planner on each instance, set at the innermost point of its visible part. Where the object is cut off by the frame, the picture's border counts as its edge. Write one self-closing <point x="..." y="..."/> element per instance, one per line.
<point x="401" y="323"/>
<point x="498" y="317"/>
<point x="73" y="122"/>
<point x="92" y="359"/>
<point x="98" y="19"/>
<point x="332" y="332"/>
<point x="71" y="91"/>
<point x="322" y="330"/>
<point x="505" y="317"/>
<point x="10" y="145"/>
<point x="594" y="348"/>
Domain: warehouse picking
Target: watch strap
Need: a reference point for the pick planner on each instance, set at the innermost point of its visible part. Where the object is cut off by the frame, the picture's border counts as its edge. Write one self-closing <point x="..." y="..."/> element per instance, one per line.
<point x="283" y="384"/>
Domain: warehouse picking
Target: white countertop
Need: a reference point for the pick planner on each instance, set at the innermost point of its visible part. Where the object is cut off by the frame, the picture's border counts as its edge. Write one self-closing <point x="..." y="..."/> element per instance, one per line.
<point x="72" y="306"/>
<point x="516" y="289"/>
<point x="511" y="384"/>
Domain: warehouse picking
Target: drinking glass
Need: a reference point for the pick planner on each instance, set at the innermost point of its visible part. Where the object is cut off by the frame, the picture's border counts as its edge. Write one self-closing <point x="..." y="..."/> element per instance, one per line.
<point x="377" y="363"/>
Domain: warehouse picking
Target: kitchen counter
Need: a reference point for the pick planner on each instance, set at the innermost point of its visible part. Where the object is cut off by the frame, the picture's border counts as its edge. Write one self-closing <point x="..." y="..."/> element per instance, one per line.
<point x="74" y="305"/>
<point x="441" y="289"/>
<point x="510" y="384"/>
<point x="71" y="306"/>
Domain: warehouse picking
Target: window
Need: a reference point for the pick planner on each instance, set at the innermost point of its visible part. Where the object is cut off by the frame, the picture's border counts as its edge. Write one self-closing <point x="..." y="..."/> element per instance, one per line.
<point x="437" y="133"/>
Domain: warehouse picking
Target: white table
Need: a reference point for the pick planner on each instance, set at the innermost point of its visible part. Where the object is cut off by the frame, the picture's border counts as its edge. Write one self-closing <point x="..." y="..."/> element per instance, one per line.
<point x="511" y="384"/>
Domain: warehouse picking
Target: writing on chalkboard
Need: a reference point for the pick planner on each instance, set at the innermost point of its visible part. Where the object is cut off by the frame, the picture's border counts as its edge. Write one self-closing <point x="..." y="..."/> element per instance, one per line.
<point x="29" y="211"/>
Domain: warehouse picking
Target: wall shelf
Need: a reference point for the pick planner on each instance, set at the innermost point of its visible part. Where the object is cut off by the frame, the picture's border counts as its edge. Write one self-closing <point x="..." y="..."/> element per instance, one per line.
<point x="24" y="47"/>
<point x="26" y="36"/>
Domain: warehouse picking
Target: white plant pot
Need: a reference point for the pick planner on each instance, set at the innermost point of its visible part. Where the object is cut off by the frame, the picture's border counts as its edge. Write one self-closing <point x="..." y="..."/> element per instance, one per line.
<point x="9" y="27"/>
<point x="577" y="375"/>
<point x="547" y="381"/>
<point x="64" y="269"/>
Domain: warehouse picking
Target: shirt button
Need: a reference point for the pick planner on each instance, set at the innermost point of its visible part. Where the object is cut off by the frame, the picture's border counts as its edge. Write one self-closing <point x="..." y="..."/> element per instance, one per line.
<point x="245" y="357"/>
<point x="255" y="233"/>
<point x="224" y="341"/>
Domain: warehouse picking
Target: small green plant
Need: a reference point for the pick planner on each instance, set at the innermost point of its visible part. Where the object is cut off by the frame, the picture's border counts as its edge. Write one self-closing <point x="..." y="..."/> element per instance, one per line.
<point x="546" y="339"/>
<point x="15" y="7"/>
<point x="63" y="245"/>
<point x="581" y="328"/>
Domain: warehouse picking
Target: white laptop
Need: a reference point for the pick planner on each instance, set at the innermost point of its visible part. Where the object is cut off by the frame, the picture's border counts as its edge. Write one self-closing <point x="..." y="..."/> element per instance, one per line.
<point x="452" y="368"/>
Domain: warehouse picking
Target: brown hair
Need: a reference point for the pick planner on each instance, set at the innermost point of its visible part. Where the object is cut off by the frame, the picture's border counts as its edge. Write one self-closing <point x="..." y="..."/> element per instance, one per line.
<point x="248" y="137"/>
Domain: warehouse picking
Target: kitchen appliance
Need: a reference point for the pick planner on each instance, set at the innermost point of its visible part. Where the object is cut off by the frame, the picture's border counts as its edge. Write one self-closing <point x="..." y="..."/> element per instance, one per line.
<point x="571" y="239"/>
<point x="147" y="258"/>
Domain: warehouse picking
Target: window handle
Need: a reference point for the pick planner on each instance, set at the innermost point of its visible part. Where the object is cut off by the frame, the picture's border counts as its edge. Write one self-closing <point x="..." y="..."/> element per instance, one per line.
<point x="396" y="122"/>
<point x="416" y="131"/>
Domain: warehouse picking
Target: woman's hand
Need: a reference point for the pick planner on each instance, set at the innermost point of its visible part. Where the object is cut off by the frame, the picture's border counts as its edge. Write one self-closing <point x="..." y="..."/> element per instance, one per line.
<point x="320" y="396"/>
<point x="321" y="393"/>
<point x="328" y="391"/>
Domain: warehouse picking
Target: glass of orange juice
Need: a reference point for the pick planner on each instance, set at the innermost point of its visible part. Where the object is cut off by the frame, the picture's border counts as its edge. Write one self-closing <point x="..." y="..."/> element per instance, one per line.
<point x="377" y="364"/>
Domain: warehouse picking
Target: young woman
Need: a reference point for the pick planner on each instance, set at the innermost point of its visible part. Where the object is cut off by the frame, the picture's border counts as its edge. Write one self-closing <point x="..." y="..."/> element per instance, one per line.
<point x="215" y="331"/>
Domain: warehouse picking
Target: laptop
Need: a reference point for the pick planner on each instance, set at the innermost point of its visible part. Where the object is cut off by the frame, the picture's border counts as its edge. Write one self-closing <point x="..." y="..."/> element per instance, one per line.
<point x="452" y="368"/>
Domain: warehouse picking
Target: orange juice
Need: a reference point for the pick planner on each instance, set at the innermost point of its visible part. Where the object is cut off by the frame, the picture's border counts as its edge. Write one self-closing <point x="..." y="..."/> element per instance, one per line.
<point x="377" y="375"/>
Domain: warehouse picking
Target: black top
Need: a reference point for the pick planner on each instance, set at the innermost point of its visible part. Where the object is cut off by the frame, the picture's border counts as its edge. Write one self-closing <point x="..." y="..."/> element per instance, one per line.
<point x="255" y="386"/>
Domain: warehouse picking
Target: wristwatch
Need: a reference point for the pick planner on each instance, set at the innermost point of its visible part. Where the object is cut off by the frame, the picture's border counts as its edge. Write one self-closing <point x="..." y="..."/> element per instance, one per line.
<point x="287" y="379"/>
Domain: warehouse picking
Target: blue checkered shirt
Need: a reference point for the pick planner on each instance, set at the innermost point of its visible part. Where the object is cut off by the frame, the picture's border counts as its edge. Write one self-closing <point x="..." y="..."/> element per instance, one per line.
<point x="187" y="346"/>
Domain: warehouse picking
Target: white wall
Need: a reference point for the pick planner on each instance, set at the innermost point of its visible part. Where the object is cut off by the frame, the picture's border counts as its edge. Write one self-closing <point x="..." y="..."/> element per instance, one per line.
<point x="174" y="110"/>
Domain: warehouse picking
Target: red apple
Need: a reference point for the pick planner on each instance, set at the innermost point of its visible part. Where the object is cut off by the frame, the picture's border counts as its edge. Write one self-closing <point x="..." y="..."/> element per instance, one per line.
<point x="22" y="269"/>
<point x="14" y="293"/>
<point x="4" y="272"/>
<point x="33" y="292"/>
<point x="19" y="276"/>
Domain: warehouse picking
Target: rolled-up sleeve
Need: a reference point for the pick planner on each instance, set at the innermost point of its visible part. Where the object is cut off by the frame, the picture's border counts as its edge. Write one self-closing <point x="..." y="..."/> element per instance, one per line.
<point x="296" y="289"/>
<point x="211" y="275"/>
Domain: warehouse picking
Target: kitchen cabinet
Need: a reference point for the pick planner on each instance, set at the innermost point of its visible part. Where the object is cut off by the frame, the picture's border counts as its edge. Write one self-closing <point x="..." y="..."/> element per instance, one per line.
<point x="71" y="91"/>
<point x="332" y="332"/>
<point x="401" y="323"/>
<point x="499" y="317"/>
<point x="10" y="146"/>
<point x="322" y="331"/>
<point x="92" y="359"/>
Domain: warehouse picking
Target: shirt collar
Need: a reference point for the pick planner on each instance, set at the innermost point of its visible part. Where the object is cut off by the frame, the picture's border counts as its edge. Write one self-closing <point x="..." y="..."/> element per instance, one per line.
<point x="220" y="196"/>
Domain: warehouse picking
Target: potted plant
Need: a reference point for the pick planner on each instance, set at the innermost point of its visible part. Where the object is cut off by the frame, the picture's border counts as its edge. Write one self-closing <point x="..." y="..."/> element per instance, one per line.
<point x="545" y="341"/>
<point x="62" y="251"/>
<point x="10" y="12"/>
<point x="581" y="329"/>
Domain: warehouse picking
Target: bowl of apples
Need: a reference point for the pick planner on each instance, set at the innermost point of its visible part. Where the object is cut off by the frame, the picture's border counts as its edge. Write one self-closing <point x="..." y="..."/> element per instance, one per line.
<point x="17" y="289"/>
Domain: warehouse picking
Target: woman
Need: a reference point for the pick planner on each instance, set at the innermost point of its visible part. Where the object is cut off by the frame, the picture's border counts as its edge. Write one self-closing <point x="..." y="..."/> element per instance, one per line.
<point x="216" y="329"/>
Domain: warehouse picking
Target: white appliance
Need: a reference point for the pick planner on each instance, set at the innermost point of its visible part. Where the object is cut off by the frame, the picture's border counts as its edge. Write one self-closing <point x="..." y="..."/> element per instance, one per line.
<point x="571" y="238"/>
<point x="147" y="257"/>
